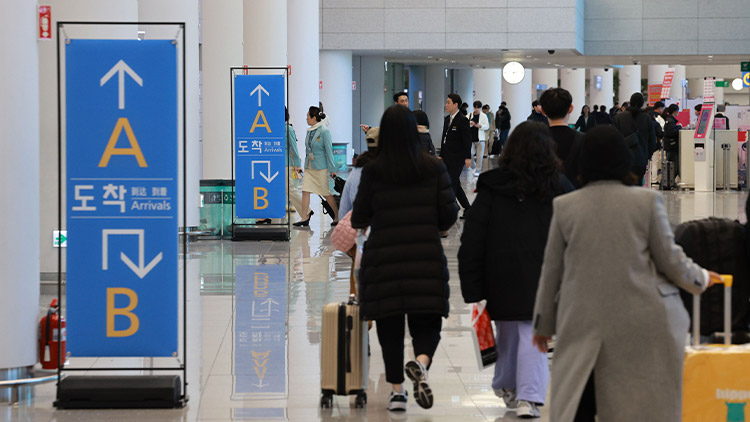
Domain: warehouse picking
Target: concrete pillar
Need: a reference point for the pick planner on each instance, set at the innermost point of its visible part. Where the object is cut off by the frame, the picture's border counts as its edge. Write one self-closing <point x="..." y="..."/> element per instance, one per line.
<point x="630" y="82"/>
<point x="680" y="73"/>
<point x="264" y="28"/>
<point x="182" y="11"/>
<point x="336" y="95"/>
<point x="488" y="86"/>
<point x="465" y="85"/>
<point x="372" y="98"/>
<point x="602" y="95"/>
<point x="303" y="56"/>
<point x="434" y="100"/>
<point x="518" y="99"/>
<point x="719" y="93"/>
<point x="65" y="10"/>
<point x="574" y="80"/>
<point x="546" y="77"/>
<point x="222" y="48"/>
<point x="656" y="74"/>
<point x="19" y="158"/>
<point x="416" y="86"/>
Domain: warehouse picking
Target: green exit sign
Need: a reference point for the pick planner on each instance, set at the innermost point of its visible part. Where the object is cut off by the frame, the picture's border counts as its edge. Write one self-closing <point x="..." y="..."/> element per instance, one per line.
<point x="59" y="238"/>
<point x="722" y="84"/>
<point x="745" y="66"/>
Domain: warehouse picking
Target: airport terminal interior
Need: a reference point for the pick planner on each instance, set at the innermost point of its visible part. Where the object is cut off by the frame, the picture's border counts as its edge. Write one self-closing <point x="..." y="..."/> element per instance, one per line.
<point x="94" y="86"/>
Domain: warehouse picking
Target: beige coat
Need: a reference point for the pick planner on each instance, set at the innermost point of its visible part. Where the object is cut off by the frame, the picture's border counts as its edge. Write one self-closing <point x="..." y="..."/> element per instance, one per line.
<point x="609" y="291"/>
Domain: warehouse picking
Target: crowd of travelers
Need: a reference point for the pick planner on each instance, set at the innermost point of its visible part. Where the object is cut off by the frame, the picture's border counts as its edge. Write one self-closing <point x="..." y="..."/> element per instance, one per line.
<point x="589" y="258"/>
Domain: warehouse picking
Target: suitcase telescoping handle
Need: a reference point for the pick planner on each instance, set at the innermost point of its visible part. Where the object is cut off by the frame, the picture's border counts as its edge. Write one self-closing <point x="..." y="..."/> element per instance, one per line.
<point x="727" y="281"/>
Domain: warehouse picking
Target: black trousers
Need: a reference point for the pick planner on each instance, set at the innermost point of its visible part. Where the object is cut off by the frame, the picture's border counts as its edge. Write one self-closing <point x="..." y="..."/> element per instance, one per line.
<point x="454" y="171"/>
<point x="425" y="334"/>
<point x="587" y="406"/>
<point x="674" y="156"/>
<point x="639" y="172"/>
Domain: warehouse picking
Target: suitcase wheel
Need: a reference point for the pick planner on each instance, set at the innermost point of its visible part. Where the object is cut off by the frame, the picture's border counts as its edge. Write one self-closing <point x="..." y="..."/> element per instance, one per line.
<point x="326" y="401"/>
<point x="361" y="400"/>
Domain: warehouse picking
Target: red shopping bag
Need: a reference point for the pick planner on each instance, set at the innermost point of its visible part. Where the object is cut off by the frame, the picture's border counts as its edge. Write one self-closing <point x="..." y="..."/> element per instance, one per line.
<point x="484" y="337"/>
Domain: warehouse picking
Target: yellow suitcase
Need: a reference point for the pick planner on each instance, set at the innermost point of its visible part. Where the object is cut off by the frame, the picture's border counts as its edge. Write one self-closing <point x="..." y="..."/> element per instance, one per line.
<point x="716" y="378"/>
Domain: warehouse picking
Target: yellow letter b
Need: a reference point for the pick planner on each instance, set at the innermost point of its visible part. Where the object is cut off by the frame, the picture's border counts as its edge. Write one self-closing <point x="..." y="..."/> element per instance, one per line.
<point x="258" y="198"/>
<point x="112" y="312"/>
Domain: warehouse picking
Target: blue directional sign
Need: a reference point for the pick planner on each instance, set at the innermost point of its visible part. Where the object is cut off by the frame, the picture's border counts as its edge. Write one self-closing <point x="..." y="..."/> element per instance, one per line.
<point x="121" y="197"/>
<point x="260" y="364"/>
<point x="259" y="146"/>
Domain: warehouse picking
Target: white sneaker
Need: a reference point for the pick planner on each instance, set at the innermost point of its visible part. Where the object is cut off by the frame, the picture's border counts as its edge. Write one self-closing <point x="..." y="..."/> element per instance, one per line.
<point x="476" y="173"/>
<point x="509" y="398"/>
<point x="418" y="374"/>
<point x="397" y="401"/>
<point x="527" y="410"/>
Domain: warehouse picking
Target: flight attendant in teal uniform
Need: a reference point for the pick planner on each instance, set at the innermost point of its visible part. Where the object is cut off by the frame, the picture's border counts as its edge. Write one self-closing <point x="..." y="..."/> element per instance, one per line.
<point x="318" y="164"/>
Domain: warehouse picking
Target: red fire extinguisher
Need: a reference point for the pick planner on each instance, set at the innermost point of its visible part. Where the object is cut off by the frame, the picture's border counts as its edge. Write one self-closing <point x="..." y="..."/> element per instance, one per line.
<point x="51" y="335"/>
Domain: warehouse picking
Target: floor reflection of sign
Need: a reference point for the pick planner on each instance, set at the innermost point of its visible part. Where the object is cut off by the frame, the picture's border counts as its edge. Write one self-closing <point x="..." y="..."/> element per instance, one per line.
<point x="121" y="152"/>
<point x="260" y="358"/>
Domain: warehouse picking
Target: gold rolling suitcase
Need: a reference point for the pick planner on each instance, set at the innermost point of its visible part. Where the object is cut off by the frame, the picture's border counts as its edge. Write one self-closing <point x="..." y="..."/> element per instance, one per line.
<point x="343" y="353"/>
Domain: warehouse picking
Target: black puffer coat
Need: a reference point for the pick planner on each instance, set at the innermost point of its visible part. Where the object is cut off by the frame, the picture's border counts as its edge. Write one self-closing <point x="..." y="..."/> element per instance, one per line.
<point x="403" y="268"/>
<point x="502" y="246"/>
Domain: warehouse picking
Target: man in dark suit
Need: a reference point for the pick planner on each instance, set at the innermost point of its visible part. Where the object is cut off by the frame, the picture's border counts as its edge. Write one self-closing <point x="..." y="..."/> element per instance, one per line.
<point x="455" y="146"/>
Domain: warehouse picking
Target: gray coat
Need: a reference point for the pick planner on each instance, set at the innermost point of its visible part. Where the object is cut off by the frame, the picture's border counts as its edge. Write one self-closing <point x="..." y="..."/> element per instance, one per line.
<point x="609" y="291"/>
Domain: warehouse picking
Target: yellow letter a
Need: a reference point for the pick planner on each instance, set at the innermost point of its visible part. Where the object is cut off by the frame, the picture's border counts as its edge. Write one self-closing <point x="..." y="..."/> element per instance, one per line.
<point x="265" y="122"/>
<point x="134" y="149"/>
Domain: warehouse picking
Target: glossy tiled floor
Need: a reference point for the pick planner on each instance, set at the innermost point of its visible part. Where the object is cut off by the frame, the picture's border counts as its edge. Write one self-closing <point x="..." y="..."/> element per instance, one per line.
<point x="249" y="372"/>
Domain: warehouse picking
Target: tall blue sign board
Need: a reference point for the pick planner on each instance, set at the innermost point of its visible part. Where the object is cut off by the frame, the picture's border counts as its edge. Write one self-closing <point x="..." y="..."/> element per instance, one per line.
<point x="259" y="146"/>
<point x="121" y="197"/>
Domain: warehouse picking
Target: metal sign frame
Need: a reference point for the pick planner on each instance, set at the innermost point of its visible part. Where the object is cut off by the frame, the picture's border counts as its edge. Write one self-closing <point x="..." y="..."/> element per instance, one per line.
<point x="287" y="224"/>
<point x="179" y="37"/>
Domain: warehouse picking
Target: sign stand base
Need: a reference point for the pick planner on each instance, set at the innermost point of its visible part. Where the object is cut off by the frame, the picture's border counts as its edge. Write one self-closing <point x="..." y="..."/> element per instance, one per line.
<point x="120" y="392"/>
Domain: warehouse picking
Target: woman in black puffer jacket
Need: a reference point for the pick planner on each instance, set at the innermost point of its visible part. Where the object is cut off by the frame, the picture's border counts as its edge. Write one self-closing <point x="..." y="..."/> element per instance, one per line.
<point x="405" y="197"/>
<point x="501" y="255"/>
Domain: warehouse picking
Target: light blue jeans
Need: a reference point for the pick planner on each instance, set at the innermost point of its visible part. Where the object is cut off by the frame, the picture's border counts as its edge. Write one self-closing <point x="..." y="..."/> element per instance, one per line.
<point x="520" y="366"/>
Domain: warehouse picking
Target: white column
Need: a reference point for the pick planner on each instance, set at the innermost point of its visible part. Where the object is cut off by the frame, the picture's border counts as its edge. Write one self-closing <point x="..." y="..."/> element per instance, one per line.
<point x="265" y="33"/>
<point x="372" y="98"/>
<point x="182" y="11"/>
<point x="19" y="168"/>
<point x="680" y="73"/>
<point x="303" y="55"/>
<point x="574" y="81"/>
<point x="434" y="100"/>
<point x="65" y="10"/>
<point x="544" y="77"/>
<point x="488" y="86"/>
<point x="518" y="99"/>
<point x="656" y="74"/>
<point x="719" y="94"/>
<point x="630" y="82"/>
<point x="603" y="94"/>
<point x="222" y="49"/>
<point x="465" y="85"/>
<point x="336" y="95"/>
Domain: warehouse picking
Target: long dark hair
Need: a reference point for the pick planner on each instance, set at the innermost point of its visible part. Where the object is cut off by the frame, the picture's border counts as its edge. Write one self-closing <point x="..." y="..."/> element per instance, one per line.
<point x="400" y="156"/>
<point x="636" y="103"/>
<point x="529" y="154"/>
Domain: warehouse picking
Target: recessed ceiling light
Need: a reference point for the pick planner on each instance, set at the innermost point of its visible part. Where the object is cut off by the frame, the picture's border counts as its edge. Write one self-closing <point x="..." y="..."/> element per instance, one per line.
<point x="429" y="57"/>
<point x="710" y="56"/>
